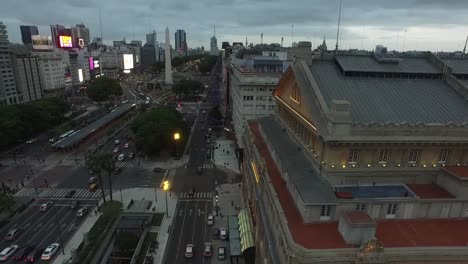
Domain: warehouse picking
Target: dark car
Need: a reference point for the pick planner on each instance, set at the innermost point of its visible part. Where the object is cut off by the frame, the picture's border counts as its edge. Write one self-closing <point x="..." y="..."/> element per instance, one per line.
<point x="199" y="170"/>
<point x="159" y="170"/>
<point x="12" y="234"/>
<point x="215" y="233"/>
<point x="34" y="255"/>
<point x="117" y="170"/>
<point x="70" y="194"/>
<point x="22" y="254"/>
<point x="75" y="204"/>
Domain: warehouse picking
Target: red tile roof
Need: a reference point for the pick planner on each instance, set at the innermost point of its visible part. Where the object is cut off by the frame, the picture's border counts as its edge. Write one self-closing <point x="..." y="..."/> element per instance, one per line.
<point x="392" y="233"/>
<point x="460" y="171"/>
<point x="429" y="191"/>
<point x="357" y="217"/>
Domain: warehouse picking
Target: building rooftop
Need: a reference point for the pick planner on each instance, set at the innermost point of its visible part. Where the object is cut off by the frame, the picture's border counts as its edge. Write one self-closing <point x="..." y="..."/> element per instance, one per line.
<point x="459" y="171"/>
<point x="458" y="65"/>
<point x="391" y="100"/>
<point x="369" y="63"/>
<point x="358" y="218"/>
<point x="312" y="188"/>
<point x="391" y="233"/>
<point x="429" y="191"/>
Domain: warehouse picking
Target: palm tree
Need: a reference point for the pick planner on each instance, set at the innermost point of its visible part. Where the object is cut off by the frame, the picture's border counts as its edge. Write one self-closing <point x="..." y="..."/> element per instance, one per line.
<point x="93" y="162"/>
<point x="108" y="165"/>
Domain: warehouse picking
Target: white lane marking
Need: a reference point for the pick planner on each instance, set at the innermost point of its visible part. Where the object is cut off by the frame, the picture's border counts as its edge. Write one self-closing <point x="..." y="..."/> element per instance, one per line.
<point x="181" y="211"/>
<point x="190" y="212"/>
<point x="204" y="230"/>
<point x="194" y="222"/>
<point x="181" y="232"/>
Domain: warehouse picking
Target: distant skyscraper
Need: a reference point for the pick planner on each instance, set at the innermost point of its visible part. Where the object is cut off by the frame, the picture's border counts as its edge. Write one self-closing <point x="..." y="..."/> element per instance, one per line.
<point x="27" y="32"/>
<point x="181" y="41"/>
<point x="55" y="32"/>
<point x="151" y="38"/>
<point x="168" y="70"/>
<point x="214" y="46"/>
<point x="80" y="32"/>
<point x="8" y="92"/>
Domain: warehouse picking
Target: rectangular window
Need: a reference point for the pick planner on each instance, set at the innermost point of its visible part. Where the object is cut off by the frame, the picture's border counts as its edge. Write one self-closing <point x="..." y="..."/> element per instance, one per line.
<point x="261" y="89"/>
<point x="250" y="89"/>
<point x="261" y="98"/>
<point x="383" y="157"/>
<point x="271" y="99"/>
<point x="260" y="107"/>
<point x="272" y="89"/>
<point x="443" y="155"/>
<point x="360" y="207"/>
<point x="248" y="97"/>
<point x="391" y="210"/>
<point x="271" y="107"/>
<point x="296" y="94"/>
<point x="353" y="156"/>
<point x="325" y="212"/>
<point x="413" y="156"/>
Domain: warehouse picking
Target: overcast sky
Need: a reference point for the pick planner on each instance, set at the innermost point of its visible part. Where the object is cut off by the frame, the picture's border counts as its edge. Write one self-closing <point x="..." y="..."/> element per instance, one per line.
<point x="398" y="24"/>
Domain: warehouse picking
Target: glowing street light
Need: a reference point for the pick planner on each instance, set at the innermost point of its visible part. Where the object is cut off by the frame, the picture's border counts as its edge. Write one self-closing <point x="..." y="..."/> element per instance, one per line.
<point x="176" y="139"/>
<point x="166" y="189"/>
<point x="176" y="136"/>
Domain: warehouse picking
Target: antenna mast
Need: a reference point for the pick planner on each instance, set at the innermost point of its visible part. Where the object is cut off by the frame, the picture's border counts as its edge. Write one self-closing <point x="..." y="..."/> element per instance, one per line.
<point x="100" y="25"/>
<point x="214" y="30"/>
<point x="338" y="31"/>
<point x="464" y="48"/>
<point x="292" y="35"/>
<point x="281" y="41"/>
<point x="261" y="39"/>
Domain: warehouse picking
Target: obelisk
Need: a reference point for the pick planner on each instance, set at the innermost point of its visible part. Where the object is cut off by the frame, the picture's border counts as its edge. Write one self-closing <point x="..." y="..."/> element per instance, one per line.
<point x="168" y="58"/>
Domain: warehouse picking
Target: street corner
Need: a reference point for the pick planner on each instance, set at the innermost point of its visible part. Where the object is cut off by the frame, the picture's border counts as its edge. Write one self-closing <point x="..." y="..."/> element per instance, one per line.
<point x="52" y="176"/>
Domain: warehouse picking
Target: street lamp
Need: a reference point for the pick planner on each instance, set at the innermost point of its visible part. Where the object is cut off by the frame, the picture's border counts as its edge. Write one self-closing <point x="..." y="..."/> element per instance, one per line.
<point x="166" y="189"/>
<point x="176" y="139"/>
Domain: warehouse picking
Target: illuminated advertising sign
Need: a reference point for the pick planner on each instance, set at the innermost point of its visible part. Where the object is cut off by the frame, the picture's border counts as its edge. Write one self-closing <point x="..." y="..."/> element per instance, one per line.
<point x="91" y="63"/>
<point x="40" y="42"/>
<point x="66" y="42"/>
<point x="96" y="63"/>
<point x="80" y="75"/>
<point x="128" y="61"/>
<point x="81" y="43"/>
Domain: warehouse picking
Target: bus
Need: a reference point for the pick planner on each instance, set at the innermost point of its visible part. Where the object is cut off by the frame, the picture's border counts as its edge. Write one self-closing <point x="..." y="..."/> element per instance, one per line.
<point x="66" y="134"/>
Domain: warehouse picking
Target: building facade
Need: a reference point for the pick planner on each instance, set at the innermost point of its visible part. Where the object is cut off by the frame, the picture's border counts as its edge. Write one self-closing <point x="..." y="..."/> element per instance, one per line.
<point x="148" y="55"/>
<point x="214" y="50"/>
<point x="8" y="90"/>
<point x="52" y="68"/>
<point x="28" y="77"/>
<point x="27" y="32"/>
<point x="365" y="161"/>
<point x="80" y="31"/>
<point x="151" y="38"/>
<point x="181" y="41"/>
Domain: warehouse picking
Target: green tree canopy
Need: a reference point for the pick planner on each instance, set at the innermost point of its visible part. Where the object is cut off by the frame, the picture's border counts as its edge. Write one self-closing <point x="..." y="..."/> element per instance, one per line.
<point x="6" y="202"/>
<point x="207" y="63"/>
<point x="154" y="130"/>
<point x="157" y="67"/>
<point x="103" y="88"/>
<point x="187" y="87"/>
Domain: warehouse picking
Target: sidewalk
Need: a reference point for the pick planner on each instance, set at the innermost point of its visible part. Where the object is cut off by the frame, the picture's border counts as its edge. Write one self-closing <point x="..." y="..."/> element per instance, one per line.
<point x="127" y="195"/>
<point x="225" y="155"/>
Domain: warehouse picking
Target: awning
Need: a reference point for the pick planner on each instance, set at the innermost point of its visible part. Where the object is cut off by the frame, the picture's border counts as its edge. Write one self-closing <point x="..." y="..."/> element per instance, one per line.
<point x="245" y="229"/>
<point x="234" y="237"/>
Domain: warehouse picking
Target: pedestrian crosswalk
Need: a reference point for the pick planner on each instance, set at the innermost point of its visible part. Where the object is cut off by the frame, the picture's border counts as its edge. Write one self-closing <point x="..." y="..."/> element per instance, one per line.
<point x="208" y="166"/>
<point x="196" y="196"/>
<point x="74" y="162"/>
<point x="58" y="193"/>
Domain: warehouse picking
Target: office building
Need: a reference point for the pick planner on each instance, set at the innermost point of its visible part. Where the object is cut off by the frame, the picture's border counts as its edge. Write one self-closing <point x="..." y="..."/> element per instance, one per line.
<point x="27" y="32"/>
<point x="80" y="31"/>
<point x="28" y="77"/>
<point x="151" y="38"/>
<point x="148" y="55"/>
<point x="365" y="161"/>
<point x="52" y="65"/>
<point x="214" y="46"/>
<point x="136" y="43"/>
<point x="181" y="41"/>
<point x="58" y="30"/>
<point x="8" y="91"/>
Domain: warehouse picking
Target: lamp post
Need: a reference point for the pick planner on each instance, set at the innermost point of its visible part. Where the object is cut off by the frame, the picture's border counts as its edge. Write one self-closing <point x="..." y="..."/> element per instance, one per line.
<point x="176" y="139"/>
<point x="166" y="189"/>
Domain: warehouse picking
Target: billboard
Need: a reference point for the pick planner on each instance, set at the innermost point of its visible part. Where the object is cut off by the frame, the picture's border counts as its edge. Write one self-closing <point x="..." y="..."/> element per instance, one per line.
<point x="128" y="61"/>
<point x="96" y="63"/>
<point x="66" y="42"/>
<point x="80" y="75"/>
<point x="41" y="42"/>
<point x="80" y="43"/>
<point x="91" y="63"/>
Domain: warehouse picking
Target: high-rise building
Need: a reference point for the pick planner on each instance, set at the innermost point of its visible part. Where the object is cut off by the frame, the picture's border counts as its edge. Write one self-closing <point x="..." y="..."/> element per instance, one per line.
<point x="136" y="43"/>
<point x="214" y="46"/>
<point x="80" y="32"/>
<point x="151" y="38"/>
<point x="27" y="76"/>
<point x="148" y="55"/>
<point x="181" y="41"/>
<point x="52" y="67"/>
<point x="8" y="91"/>
<point x="55" y="32"/>
<point x="27" y="32"/>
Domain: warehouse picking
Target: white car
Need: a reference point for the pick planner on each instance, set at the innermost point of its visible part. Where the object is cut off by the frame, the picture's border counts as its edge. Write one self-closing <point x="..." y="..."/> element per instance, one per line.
<point x="46" y="206"/>
<point x="7" y="252"/>
<point x="210" y="220"/>
<point x="189" y="251"/>
<point x="116" y="150"/>
<point x="50" y="251"/>
<point x="121" y="157"/>
<point x="82" y="211"/>
<point x="117" y="142"/>
<point x="126" y="145"/>
<point x="31" y="140"/>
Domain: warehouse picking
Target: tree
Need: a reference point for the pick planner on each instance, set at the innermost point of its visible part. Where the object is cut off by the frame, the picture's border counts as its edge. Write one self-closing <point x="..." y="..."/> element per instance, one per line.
<point x="177" y="61"/>
<point x="107" y="164"/>
<point x="206" y="64"/>
<point x="6" y="201"/>
<point x="93" y="162"/>
<point x="103" y="88"/>
<point x="157" y="67"/>
<point x="187" y="86"/>
<point x="154" y="130"/>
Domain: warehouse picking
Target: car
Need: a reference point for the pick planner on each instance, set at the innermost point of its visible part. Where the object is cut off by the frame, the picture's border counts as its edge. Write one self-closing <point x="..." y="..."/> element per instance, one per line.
<point x="189" y="251"/>
<point x="92" y="180"/>
<point x="117" y="142"/>
<point x="7" y="252"/>
<point x="121" y="157"/>
<point x="31" y="140"/>
<point x="130" y="155"/>
<point x="159" y="170"/>
<point x="12" y="234"/>
<point x="204" y="112"/>
<point x="215" y="233"/>
<point x="199" y="170"/>
<point x="34" y="255"/>
<point x="93" y="187"/>
<point x="75" y="204"/>
<point x="116" y="150"/>
<point x="45" y="206"/>
<point x="52" y="140"/>
<point x="191" y="191"/>
<point x="208" y="252"/>
<point x="210" y="220"/>
<point x="117" y="170"/>
<point x="126" y="145"/>
<point x="70" y="194"/>
<point x="23" y="253"/>
<point x="50" y="251"/>
<point x="221" y="253"/>
<point x="82" y="212"/>
<point x="223" y="233"/>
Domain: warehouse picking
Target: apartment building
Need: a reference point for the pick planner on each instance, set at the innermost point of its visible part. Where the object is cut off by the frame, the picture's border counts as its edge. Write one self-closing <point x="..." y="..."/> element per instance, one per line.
<point x="8" y="91"/>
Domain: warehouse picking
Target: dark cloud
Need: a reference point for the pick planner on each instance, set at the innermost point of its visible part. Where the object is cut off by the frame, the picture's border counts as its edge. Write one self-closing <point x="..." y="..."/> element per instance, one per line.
<point x="430" y="24"/>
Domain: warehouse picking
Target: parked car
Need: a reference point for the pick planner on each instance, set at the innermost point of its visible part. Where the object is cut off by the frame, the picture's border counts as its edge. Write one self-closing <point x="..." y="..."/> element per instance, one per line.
<point x="22" y="253"/>
<point x="70" y="194"/>
<point x="208" y="252"/>
<point x="12" y="234"/>
<point x="223" y="233"/>
<point x="50" y="251"/>
<point x="75" y="204"/>
<point x="34" y="255"/>
<point x="82" y="212"/>
<point x="8" y="252"/>
<point x="117" y="142"/>
<point x="210" y="220"/>
<point x="92" y="180"/>
<point x="121" y="157"/>
<point x="221" y="253"/>
<point x="31" y="140"/>
<point x="117" y="170"/>
<point x="215" y="233"/>
<point x="116" y="150"/>
<point x="159" y="170"/>
<point x="189" y="251"/>
<point x="45" y="206"/>
<point x="130" y="155"/>
<point x="126" y="145"/>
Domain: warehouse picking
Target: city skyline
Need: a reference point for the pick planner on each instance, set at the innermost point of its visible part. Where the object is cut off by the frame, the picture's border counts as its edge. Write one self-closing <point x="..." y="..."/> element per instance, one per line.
<point x="399" y="25"/>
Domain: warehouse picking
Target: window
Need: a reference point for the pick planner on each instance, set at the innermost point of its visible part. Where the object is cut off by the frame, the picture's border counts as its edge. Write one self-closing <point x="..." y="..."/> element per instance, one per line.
<point x="353" y="156"/>
<point x="383" y="157"/>
<point x="261" y="89"/>
<point x="360" y="207"/>
<point x="270" y="99"/>
<point x="260" y="107"/>
<point x="248" y="97"/>
<point x="413" y="156"/>
<point x="271" y="107"/>
<point x="296" y="94"/>
<point x="443" y="156"/>
<point x="325" y="212"/>
<point x="261" y="98"/>
<point x="272" y="89"/>
<point x="250" y="89"/>
<point x="391" y="210"/>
